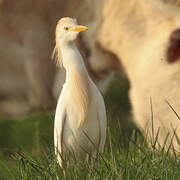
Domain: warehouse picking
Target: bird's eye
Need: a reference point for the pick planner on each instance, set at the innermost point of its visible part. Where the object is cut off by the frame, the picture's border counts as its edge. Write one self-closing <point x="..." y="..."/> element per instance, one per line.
<point x="66" y="28"/>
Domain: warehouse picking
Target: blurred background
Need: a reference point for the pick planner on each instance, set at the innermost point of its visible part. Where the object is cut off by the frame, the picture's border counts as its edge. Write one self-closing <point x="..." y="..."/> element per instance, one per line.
<point x="30" y="83"/>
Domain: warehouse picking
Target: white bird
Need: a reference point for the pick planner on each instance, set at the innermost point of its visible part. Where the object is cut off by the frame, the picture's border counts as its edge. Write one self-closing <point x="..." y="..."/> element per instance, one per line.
<point x="80" y="119"/>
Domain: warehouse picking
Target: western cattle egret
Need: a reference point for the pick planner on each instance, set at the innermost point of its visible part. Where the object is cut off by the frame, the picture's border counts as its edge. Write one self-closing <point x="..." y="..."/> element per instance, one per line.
<point x="80" y="119"/>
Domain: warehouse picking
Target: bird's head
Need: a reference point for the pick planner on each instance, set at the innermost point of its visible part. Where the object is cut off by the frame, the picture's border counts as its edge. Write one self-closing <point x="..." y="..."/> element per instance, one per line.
<point x="67" y="30"/>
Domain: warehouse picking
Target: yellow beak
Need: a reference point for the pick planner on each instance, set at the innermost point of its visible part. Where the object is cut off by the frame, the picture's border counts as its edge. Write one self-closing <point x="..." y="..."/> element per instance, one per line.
<point x="78" y="28"/>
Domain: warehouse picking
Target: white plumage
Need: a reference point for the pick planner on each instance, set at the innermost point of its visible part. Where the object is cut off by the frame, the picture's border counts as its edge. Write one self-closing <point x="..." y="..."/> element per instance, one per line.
<point x="80" y="119"/>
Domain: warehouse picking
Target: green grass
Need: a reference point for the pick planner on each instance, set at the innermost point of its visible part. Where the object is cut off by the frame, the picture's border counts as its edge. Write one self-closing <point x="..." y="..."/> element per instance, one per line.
<point x="27" y="152"/>
<point x="125" y="157"/>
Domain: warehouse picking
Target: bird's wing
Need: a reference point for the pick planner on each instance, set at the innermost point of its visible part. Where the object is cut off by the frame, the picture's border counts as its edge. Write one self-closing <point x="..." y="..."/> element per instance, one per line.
<point x="60" y="120"/>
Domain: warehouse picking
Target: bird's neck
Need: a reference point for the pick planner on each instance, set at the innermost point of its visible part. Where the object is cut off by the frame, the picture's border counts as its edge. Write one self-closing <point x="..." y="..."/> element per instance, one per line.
<point x="71" y="56"/>
<point x="72" y="61"/>
<point x="77" y="80"/>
